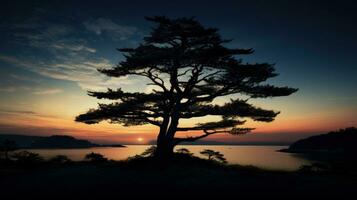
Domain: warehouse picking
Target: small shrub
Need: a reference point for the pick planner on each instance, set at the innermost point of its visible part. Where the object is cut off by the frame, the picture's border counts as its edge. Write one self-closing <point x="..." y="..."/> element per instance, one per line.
<point x="184" y="151"/>
<point x="149" y="152"/>
<point x="95" y="157"/>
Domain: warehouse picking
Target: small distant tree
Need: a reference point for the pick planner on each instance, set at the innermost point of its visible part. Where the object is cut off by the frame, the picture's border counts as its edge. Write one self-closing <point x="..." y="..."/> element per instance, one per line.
<point x="184" y="151"/>
<point x="214" y="155"/>
<point x="95" y="157"/>
<point x="189" y="67"/>
<point x="7" y="146"/>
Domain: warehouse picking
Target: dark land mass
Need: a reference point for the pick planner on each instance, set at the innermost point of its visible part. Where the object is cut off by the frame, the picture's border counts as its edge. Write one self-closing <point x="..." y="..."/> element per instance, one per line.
<point x="51" y="142"/>
<point x="339" y="142"/>
<point x="181" y="176"/>
<point x="335" y="149"/>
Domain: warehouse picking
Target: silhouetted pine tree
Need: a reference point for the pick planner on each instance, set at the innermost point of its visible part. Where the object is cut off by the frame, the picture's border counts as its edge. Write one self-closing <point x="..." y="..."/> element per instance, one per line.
<point x="214" y="155"/>
<point x="190" y="67"/>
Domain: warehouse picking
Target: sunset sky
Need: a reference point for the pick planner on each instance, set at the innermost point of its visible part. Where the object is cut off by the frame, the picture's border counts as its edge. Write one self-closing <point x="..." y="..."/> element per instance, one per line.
<point x="49" y="53"/>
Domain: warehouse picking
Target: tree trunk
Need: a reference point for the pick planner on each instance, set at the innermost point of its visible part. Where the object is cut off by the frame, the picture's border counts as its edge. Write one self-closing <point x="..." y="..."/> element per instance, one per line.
<point x="164" y="149"/>
<point x="165" y="140"/>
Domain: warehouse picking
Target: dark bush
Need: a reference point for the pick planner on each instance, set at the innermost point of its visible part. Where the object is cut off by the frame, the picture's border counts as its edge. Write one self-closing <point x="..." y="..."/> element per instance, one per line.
<point x="95" y="157"/>
<point x="26" y="157"/>
<point x="184" y="151"/>
<point x="149" y="152"/>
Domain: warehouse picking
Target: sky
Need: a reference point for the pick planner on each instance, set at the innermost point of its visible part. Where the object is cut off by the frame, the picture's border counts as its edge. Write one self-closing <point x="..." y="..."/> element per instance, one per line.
<point x="50" y="52"/>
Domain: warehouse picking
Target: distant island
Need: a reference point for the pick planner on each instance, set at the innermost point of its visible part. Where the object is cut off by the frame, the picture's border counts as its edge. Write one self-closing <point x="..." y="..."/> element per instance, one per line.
<point x="51" y="142"/>
<point x="342" y="141"/>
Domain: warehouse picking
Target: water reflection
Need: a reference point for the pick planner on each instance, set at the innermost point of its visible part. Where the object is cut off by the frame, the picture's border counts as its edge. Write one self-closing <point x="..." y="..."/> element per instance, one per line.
<point x="261" y="156"/>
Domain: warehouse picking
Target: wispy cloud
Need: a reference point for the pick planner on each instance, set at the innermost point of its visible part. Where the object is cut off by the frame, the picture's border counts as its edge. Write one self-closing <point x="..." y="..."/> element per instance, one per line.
<point x="73" y="47"/>
<point x="6" y="113"/>
<point x="7" y="89"/>
<point x="61" y="51"/>
<point x="48" y="91"/>
<point x="34" y="90"/>
<point x="107" y="26"/>
<point x="24" y="78"/>
<point x="56" y="38"/>
<point x="55" y="43"/>
<point x="27" y="112"/>
<point x="84" y="73"/>
<point x="14" y="88"/>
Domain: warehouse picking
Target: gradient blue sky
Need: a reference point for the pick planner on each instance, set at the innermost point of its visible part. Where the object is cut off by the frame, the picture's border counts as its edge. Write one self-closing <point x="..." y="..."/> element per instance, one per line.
<point x="49" y="53"/>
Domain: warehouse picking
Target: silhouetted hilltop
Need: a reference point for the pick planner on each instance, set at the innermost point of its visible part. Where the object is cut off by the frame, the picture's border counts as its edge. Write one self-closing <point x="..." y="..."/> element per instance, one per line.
<point x="52" y="142"/>
<point x="61" y="141"/>
<point x="342" y="141"/>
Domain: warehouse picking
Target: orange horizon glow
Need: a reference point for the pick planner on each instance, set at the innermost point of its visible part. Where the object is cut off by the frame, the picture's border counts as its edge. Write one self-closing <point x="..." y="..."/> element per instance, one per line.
<point x="105" y="132"/>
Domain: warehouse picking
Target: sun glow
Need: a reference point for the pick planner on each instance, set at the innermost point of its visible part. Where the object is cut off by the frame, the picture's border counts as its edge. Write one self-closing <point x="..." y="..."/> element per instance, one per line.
<point x="140" y="139"/>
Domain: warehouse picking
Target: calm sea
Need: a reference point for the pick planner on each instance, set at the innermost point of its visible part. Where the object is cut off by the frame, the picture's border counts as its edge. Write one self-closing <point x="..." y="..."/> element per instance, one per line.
<point x="260" y="156"/>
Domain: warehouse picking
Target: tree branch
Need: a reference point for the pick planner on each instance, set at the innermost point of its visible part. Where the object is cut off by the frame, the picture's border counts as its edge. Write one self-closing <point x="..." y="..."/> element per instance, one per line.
<point x="153" y="78"/>
<point x="192" y="139"/>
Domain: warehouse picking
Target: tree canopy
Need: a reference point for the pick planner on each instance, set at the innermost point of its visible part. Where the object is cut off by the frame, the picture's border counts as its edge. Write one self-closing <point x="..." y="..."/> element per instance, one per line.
<point x="190" y="66"/>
